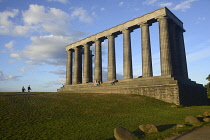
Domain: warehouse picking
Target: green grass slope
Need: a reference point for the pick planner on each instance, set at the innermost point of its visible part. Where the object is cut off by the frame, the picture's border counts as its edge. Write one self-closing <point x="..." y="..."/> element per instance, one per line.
<point x="86" y="116"/>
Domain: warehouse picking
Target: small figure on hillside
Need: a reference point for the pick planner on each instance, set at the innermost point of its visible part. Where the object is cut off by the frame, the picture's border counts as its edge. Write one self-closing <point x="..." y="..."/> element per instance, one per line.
<point x="29" y="88"/>
<point x="95" y="83"/>
<point x="114" y="81"/>
<point x="99" y="82"/>
<point x="23" y="89"/>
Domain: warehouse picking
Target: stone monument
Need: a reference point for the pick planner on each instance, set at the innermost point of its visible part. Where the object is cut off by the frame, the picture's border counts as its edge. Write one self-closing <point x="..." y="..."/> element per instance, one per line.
<point x="173" y="85"/>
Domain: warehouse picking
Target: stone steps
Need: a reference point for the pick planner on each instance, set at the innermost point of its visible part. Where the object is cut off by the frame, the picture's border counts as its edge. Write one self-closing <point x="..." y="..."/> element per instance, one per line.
<point x="121" y="84"/>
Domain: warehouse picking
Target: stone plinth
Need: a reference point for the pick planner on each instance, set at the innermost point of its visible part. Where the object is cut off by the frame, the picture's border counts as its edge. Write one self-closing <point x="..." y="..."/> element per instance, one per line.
<point x="164" y="88"/>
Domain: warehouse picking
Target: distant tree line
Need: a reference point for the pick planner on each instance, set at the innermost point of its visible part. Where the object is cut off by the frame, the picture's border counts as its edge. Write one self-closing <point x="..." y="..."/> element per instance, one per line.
<point x="207" y="86"/>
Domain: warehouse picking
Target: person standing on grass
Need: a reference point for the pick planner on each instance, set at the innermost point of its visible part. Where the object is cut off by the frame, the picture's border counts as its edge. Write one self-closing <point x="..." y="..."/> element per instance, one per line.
<point x="23" y="89"/>
<point x="29" y="88"/>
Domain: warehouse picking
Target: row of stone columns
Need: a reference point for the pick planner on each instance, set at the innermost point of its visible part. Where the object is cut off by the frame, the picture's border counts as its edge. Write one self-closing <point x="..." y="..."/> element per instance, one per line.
<point x="172" y="55"/>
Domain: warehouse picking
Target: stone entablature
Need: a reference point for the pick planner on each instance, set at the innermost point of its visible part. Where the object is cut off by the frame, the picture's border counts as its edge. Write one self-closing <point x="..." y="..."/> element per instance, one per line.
<point x="132" y="24"/>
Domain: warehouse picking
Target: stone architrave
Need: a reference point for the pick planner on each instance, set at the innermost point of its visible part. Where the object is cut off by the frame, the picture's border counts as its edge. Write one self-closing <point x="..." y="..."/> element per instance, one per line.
<point x="165" y="52"/>
<point x="127" y="55"/>
<point x="98" y="61"/>
<point x="69" y="67"/>
<point x="146" y="51"/>
<point x="111" y="58"/>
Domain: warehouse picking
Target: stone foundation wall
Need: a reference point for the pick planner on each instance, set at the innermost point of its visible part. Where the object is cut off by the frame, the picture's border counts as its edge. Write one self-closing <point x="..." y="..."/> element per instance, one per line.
<point x="163" y="88"/>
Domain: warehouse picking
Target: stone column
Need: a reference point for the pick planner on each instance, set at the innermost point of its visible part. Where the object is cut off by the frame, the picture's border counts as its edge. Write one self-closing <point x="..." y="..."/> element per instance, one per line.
<point x="127" y="55"/>
<point x="80" y="65"/>
<point x="174" y="50"/>
<point x="165" y="52"/>
<point x="69" y="67"/>
<point x="98" y="61"/>
<point x="111" y="58"/>
<point x="91" y="67"/>
<point x="146" y="51"/>
<point x="86" y="65"/>
<point x="76" y="65"/>
<point x="182" y="54"/>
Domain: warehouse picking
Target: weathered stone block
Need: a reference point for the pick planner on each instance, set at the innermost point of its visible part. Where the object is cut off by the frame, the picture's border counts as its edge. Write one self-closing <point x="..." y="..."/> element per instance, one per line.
<point x="206" y="119"/>
<point x="180" y="125"/>
<point x="148" y="128"/>
<point x="121" y="133"/>
<point x="207" y="113"/>
<point x="192" y="120"/>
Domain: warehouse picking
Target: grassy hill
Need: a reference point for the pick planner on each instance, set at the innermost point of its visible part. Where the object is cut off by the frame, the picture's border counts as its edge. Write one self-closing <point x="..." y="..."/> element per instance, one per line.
<point x="86" y="116"/>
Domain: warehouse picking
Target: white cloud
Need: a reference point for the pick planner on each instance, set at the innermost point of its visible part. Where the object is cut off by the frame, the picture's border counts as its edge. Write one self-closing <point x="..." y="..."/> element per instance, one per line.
<point x="6" y="25"/>
<point x="45" y="50"/>
<point x="52" y="20"/>
<point x="102" y="9"/>
<point x="82" y="14"/>
<point x="61" y="1"/>
<point x="41" y="20"/>
<point x="14" y="77"/>
<point x="46" y="47"/>
<point x="121" y="3"/>
<point x="5" y="17"/>
<point x="39" y="14"/>
<point x="59" y="72"/>
<point x="149" y="2"/>
<point x="8" y="77"/>
<point x="10" y="45"/>
<point x="200" y="20"/>
<point x="29" y="67"/>
<point x="166" y="4"/>
<point x="184" y="5"/>
<point x="16" y="55"/>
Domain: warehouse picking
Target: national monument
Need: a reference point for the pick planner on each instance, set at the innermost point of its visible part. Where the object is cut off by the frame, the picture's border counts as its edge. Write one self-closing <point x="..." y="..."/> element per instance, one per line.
<point x="173" y="85"/>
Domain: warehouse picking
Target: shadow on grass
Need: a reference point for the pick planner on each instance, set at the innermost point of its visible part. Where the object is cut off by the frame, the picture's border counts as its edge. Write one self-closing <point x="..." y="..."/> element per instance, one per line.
<point x="19" y="93"/>
<point x="140" y="134"/>
<point x="162" y="128"/>
<point x="208" y="100"/>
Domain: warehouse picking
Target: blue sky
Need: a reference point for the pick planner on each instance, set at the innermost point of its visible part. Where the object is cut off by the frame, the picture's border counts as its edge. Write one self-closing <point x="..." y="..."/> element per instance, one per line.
<point x="34" y="33"/>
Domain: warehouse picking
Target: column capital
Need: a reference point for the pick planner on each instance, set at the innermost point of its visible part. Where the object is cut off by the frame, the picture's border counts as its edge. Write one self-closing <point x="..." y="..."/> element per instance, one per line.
<point x="111" y="35"/>
<point x="86" y="45"/>
<point x="70" y="50"/>
<point x="162" y="18"/>
<point x="125" y="30"/>
<point x="77" y="47"/>
<point x="98" y="39"/>
<point x="146" y="23"/>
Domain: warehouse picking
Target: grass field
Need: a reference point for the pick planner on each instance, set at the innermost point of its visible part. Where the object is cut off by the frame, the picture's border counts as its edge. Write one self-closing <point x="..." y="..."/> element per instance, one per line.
<point x="87" y="116"/>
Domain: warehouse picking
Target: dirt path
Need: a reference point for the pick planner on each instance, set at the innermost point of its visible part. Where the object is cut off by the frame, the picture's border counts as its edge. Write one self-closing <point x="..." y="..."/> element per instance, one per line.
<point x="198" y="134"/>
